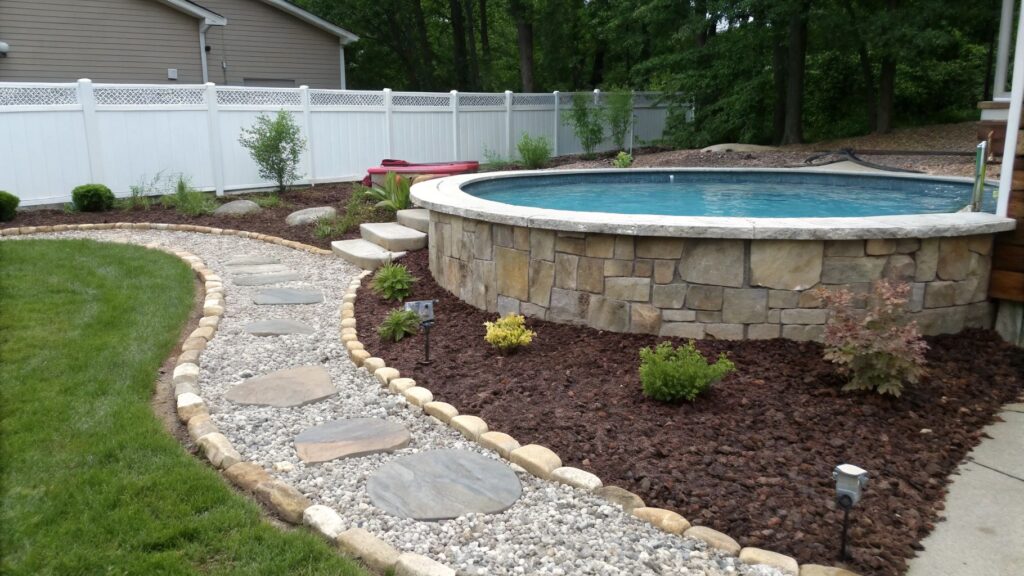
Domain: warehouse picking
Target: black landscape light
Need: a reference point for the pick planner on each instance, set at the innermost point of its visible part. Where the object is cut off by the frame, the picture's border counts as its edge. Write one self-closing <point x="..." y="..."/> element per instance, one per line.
<point x="850" y="482"/>
<point x="425" y="310"/>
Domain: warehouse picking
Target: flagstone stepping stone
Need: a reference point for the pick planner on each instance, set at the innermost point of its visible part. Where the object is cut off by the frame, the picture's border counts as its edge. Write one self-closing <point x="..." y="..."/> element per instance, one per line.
<point x="284" y="388"/>
<point x="237" y="208"/>
<point x="350" y="437"/>
<point x="247" y="260"/>
<point x="273" y="296"/>
<point x="261" y="279"/>
<point x="443" y="484"/>
<point x="250" y="269"/>
<point x="277" y="327"/>
<point x="310" y="215"/>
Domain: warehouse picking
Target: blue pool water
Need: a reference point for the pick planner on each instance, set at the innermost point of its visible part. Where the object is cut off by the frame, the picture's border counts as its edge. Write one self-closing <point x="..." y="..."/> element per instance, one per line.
<point x="741" y="194"/>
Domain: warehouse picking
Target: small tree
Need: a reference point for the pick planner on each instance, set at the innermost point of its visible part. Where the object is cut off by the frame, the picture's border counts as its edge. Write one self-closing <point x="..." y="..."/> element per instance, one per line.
<point x="275" y="145"/>
<point x="619" y="112"/>
<point x="586" y="119"/>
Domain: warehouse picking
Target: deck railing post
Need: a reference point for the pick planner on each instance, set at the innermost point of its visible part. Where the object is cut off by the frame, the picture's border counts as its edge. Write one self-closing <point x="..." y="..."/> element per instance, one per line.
<point x="213" y="125"/>
<point x="455" y="124"/>
<point x="387" y="123"/>
<point x="554" y="139"/>
<point x="87" y="98"/>
<point x="307" y="117"/>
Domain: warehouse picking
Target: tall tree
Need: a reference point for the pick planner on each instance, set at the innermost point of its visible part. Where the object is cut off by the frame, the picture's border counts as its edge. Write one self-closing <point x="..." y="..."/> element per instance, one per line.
<point x="796" y="63"/>
<point x="459" y="60"/>
<point x="474" y="62"/>
<point x="520" y="12"/>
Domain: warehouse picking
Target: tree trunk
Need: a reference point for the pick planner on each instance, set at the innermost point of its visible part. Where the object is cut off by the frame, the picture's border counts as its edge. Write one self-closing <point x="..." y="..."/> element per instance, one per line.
<point x="458" y="44"/>
<point x="524" y="38"/>
<point x="426" y="54"/>
<point x="485" y="45"/>
<point x="866" y="70"/>
<point x="474" y="63"/>
<point x="796" y="60"/>
<point x="779" y="77"/>
<point x="597" y="72"/>
<point x="986" y="94"/>
<point x="886" y="95"/>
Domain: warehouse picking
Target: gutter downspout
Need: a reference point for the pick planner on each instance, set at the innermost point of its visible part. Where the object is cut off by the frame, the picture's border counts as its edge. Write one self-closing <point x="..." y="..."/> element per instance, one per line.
<point x="341" y="57"/>
<point x="203" y="27"/>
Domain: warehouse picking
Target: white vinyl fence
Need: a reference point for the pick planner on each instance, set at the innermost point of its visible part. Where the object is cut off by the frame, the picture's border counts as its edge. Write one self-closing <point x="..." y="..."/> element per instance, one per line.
<point x="57" y="136"/>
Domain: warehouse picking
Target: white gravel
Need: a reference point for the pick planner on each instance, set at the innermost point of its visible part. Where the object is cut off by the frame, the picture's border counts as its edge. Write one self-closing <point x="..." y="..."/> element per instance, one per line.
<point x="552" y="529"/>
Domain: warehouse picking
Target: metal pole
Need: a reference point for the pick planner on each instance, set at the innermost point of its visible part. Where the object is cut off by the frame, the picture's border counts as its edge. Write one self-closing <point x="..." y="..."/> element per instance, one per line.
<point x="979" y="176"/>
<point x="1012" y="122"/>
<point x="846" y="524"/>
<point x="1003" y="52"/>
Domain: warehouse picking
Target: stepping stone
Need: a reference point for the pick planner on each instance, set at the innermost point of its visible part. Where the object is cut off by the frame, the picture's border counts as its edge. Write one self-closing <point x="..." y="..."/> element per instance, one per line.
<point x="249" y="269"/>
<point x="393" y="236"/>
<point x="277" y="327"/>
<point x="350" y="437"/>
<point x="237" y="208"/>
<point x="248" y="260"/>
<point x="273" y="296"/>
<point x="415" y="218"/>
<point x="443" y="484"/>
<point x="366" y="255"/>
<point x="284" y="388"/>
<point x="261" y="279"/>
<point x="310" y="215"/>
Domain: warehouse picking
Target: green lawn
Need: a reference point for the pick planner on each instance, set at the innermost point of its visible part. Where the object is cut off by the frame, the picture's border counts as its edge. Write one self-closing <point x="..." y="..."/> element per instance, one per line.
<point x="90" y="483"/>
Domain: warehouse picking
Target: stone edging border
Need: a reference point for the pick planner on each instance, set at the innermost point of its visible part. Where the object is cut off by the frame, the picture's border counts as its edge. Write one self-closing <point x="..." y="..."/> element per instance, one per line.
<point x="544" y="463"/>
<point x="277" y="495"/>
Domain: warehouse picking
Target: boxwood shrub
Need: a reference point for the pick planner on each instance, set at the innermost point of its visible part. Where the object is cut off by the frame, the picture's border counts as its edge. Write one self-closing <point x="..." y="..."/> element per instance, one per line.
<point x="92" y="198"/>
<point x="8" y="206"/>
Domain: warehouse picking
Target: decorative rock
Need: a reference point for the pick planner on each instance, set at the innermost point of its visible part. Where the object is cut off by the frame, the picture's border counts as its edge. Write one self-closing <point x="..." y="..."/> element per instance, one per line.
<point x="310" y="215"/>
<point x="213" y="321"/>
<point x="324" y="520"/>
<point x="350" y="437"/>
<point x="278" y="296"/>
<point x="373" y="364"/>
<point x="665" y="520"/>
<point x="204" y="332"/>
<point x="418" y="396"/>
<point x="576" y="478"/>
<point x="442" y="484"/>
<point x="537" y="460"/>
<point x="283" y="466"/>
<point x="385" y="375"/>
<point x="188" y="357"/>
<point x="194" y="344"/>
<point x="277" y="327"/>
<point x="377" y="554"/>
<point x="819" y="570"/>
<point x="443" y="411"/>
<point x="185" y="373"/>
<point x="774" y="559"/>
<point x="284" y="499"/>
<point x="259" y="269"/>
<point x="246" y="475"/>
<point x="190" y="405"/>
<point x="185" y="387"/>
<point x="237" y="208"/>
<point x="621" y="496"/>
<point x="353" y="344"/>
<point x="714" y="539"/>
<point x="218" y="450"/>
<point x="469" y="426"/>
<point x="200" y="425"/>
<point x="262" y="279"/>
<point x="500" y="442"/>
<point x="251" y="260"/>
<point x="283" y="388"/>
<point x="359" y="356"/>
<point x="400" y="385"/>
<point x="410" y="564"/>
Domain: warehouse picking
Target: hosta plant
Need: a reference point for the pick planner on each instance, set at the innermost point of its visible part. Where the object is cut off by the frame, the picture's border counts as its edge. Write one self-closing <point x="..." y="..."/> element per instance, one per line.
<point x="875" y="348"/>
<point x="508" y="333"/>
<point x="392" y="282"/>
<point x="398" y="324"/>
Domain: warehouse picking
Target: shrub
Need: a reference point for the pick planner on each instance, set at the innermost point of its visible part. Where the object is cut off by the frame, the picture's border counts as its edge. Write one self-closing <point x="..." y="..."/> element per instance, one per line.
<point x="493" y="161"/>
<point x="8" y="206"/>
<point x="508" y="333"/>
<point x="875" y="348"/>
<point x="623" y="160"/>
<point x="393" y="194"/>
<point x="534" y="152"/>
<point x="671" y="374"/>
<point x="326" y="227"/>
<point x="275" y="145"/>
<point x="189" y="201"/>
<point x="398" y="324"/>
<point x="267" y="200"/>
<point x="586" y="120"/>
<point x="92" y="198"/>
<point x="392" y="282"/>
<point x="619" y="112"/>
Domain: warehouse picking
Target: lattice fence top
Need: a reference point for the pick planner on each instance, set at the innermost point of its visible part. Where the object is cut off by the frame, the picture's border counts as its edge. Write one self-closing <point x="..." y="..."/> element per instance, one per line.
<point x="258" y="97"/>
<point x="533" y="99"/>
<point x="470" y="100"/>
<point x="424" y="100"/>
<point x="149" y="96"/>
<point x="38" y="96"/>
<point x="339" y="98"/>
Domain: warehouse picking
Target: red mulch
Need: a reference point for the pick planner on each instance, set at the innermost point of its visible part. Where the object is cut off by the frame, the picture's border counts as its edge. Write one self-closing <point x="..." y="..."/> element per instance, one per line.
<point x="267" y="221"/>
<point x="754" y="457"/>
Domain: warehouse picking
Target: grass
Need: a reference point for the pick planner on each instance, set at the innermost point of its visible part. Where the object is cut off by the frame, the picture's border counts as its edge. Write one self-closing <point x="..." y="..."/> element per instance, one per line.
<point x="90" y="482"/>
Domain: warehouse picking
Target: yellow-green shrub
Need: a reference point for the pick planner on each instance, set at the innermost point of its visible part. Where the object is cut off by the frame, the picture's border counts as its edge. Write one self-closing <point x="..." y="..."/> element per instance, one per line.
<point x="508" y="333"/>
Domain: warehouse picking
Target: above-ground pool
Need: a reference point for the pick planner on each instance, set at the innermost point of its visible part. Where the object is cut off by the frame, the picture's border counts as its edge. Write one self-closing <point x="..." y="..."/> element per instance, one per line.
<point x="694" y="253"/>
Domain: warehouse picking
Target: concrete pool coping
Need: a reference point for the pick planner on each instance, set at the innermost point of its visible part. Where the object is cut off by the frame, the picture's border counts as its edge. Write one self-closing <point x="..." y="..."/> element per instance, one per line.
<point x="445" y="195"/>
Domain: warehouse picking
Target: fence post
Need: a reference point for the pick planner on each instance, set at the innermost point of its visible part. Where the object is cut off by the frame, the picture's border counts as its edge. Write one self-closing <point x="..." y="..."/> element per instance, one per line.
<point x="387" y="123"/>
<point x="87" y="99"/>
<point x="555" y="139"/>
<point x="307" y="118"/>
<point x="508" y="124"/>
<point x="455" y="124"/>
<point x="213" y="123"/>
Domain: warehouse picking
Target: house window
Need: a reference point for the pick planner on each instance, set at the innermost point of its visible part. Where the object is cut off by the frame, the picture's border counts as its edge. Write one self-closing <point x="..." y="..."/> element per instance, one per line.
<point x="268" y="82"/>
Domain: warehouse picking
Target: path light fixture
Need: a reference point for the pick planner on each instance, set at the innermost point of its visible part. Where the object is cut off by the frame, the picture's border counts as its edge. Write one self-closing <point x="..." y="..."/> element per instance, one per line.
<point x="850" y="482"/>
<point x="425" y="310"/>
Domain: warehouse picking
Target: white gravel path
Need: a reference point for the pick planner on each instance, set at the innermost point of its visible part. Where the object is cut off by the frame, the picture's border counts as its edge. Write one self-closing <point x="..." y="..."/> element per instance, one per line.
<point x="552" y="529"/>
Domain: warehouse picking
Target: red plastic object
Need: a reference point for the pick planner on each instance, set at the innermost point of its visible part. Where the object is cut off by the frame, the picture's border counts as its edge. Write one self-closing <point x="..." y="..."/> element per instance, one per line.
<point x="403" y="167"/>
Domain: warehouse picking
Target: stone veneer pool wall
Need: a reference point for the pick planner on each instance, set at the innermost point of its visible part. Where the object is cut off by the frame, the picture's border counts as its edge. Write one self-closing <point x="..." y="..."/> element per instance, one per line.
<point x="701" y="287"/>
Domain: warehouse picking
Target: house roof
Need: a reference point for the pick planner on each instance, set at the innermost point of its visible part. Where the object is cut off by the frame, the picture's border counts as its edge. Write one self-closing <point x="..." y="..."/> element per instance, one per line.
<point x="214" y="19"/>
<point x="209" y="16"/>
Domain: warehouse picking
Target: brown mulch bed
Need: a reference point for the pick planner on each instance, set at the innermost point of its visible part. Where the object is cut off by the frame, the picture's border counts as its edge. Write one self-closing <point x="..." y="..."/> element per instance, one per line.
<point x="754" y="457"/>
<point x="267" y="221"/>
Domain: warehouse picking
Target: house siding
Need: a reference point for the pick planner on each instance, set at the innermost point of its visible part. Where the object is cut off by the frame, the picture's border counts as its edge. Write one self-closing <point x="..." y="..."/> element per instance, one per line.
<point x="262" y="42"/>
<point x="129" y="41"/>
